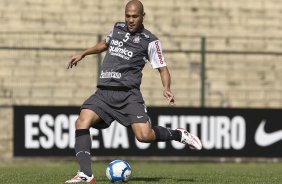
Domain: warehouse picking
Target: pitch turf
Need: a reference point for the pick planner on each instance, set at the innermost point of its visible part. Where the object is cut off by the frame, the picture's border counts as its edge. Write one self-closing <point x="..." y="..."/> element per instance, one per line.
<point x="148" y="172"/>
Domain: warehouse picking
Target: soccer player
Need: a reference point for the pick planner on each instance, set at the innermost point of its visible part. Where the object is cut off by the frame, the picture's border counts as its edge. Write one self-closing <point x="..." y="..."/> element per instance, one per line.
<point x="129" y="46"/>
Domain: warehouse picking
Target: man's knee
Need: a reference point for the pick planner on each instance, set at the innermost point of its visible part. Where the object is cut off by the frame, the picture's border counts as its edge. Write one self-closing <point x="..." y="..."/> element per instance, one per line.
<point x="86" y="119"/>
<point x="143" y="132"/>
<point x="82" y="123"/>
<point x="145" y="137"/>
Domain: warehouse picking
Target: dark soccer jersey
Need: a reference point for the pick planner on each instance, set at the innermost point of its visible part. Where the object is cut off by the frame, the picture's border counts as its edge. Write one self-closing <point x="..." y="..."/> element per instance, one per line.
<point x="127" y="55"/>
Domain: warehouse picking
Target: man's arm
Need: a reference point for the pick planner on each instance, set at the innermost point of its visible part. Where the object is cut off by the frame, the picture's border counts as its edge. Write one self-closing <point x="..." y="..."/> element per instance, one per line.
<point x="165" y="77"/>
<point x="98" y="48"/>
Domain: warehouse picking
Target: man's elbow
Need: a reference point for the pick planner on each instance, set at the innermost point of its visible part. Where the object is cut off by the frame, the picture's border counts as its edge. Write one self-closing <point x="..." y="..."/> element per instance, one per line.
<point x="163" y="69"/>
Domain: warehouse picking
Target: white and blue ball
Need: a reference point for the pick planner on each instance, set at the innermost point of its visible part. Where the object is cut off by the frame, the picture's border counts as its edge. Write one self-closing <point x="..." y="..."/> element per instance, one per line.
<point x="118" y="171"/>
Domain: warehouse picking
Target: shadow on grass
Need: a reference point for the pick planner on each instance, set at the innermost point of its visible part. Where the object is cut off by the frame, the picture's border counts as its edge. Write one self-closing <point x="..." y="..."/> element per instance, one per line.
<point x="187" y="180"/>
<point x="148" y="179"/>
<point x="156" y="179"/>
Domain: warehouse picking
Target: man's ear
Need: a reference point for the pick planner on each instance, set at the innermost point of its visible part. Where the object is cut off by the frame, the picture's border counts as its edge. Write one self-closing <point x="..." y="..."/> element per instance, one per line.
<point x="144" y="14"/>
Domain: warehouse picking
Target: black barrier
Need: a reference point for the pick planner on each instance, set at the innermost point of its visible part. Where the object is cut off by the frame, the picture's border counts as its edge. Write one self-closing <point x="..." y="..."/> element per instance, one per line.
<point x="49" y="131"/>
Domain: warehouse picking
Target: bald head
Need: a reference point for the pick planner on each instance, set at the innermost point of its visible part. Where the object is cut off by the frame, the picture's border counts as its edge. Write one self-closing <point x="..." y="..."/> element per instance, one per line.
<point x="134" y="15"/>
<point x="135" y="4"/>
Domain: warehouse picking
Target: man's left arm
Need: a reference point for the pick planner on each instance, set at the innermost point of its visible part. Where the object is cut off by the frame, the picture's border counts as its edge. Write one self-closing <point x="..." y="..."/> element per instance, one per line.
<point x="166" y="80"/>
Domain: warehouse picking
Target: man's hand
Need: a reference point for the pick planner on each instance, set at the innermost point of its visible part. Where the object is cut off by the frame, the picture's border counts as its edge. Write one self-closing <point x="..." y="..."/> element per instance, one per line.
<point x="98" y="48"/>
<point x="169" y="96"/>
<point x="74" y="60"/>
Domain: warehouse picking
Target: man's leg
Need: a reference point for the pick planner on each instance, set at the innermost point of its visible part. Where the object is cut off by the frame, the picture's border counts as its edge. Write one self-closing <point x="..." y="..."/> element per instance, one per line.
<point x="83" y="140"/>
<point x="145" y="133"/>
<point x="83" y="145"/>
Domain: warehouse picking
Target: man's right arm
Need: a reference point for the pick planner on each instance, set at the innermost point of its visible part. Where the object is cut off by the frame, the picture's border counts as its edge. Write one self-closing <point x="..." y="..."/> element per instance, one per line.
<point x="98" y="48"/>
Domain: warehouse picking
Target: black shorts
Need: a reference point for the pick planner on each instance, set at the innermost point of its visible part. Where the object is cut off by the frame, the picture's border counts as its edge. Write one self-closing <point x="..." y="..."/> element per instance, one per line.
<point x="124" y="106"/>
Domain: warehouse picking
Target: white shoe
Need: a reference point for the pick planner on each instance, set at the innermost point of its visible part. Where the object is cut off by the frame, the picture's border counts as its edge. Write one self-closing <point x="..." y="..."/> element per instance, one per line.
<point x="189" y="139"/>
<point x="81" y="177"/>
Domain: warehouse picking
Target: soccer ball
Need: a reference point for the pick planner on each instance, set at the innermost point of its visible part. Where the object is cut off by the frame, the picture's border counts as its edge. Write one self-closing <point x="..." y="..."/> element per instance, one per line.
<point x="118" y="171"/>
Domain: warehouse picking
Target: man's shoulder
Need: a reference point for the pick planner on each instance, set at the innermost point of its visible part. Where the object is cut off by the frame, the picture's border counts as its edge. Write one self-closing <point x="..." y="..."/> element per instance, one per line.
<point x="120" y="25"/>
<point x="148" y="35"/>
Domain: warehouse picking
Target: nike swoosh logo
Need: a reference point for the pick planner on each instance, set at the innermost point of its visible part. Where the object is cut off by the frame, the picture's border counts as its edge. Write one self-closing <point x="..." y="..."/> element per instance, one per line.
<point x="266" y="139"/>
<point x="139" y="117"/>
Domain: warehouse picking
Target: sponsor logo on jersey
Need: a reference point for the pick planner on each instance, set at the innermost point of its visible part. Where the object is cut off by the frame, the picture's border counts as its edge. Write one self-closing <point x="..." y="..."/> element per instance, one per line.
<point x="111" y="74"/>
<point x="145" y="35"/>
<point x="120" y="24"/>
<point x="159" y="52"/>
<point x="116" y="49"/>
<point x="136" y="39"/>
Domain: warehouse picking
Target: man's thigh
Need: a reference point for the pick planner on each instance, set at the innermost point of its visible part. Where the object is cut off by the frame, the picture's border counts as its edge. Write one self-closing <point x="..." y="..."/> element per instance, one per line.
<point x="87" y="118"/>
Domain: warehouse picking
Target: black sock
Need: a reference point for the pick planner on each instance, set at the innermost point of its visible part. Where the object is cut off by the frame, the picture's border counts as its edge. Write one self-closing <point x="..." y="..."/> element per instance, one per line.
<point x="165" y="134"/>
<point x="82" y="150"/>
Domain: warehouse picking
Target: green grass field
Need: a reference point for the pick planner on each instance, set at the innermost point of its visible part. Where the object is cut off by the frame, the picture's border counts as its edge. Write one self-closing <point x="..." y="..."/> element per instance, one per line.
<point x="148" y="172"/>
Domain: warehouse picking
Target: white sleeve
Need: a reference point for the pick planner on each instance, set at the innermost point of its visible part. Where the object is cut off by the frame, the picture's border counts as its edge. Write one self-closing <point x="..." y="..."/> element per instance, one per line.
<point x="155" y="54"/>
<point x="109" y="36"/>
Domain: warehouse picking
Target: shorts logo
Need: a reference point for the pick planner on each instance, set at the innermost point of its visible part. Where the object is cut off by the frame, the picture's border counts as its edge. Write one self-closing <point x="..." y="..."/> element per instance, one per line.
<point x="159" y="52"/>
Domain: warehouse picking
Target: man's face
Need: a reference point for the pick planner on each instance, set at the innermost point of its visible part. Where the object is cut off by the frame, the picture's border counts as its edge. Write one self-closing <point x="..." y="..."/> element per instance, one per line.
<point x="133" y="18"/>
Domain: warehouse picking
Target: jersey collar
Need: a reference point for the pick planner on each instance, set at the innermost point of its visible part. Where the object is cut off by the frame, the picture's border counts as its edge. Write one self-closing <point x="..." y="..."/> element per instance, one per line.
<point x="138" y="31"/>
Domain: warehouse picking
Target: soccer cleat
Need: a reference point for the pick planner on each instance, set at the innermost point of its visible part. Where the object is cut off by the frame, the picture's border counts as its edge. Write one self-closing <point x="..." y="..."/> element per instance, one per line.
<point x="191" y="140"/>
<point x="81" y="177"/>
